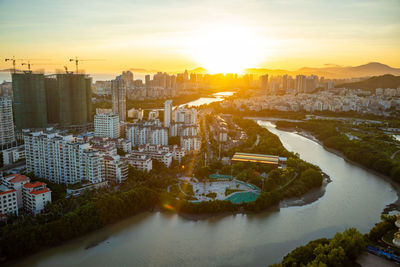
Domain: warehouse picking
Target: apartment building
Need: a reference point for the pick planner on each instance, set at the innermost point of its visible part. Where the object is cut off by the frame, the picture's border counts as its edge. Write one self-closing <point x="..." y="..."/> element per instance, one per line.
<point x="7" y="135"/>
<point x="35" y="197"/>
<point x="8" y="201"/>
<point x="61" y="158"/>
<point x="17" y="182"/>
<point x="140" y="161"/>
<point x="106" y="125"/>
<point x="115" y="170"/>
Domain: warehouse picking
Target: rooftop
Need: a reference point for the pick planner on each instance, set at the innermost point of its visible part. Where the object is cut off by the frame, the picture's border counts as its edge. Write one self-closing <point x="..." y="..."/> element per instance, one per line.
<point x="33" y="185"/>
<point x="16" y="178"/>
<point x="261" y="158"/>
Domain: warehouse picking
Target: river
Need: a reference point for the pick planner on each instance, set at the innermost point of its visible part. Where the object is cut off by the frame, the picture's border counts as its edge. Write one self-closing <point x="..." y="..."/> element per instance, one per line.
<point x="208" y="100"/>
<point x="354" y="198"/>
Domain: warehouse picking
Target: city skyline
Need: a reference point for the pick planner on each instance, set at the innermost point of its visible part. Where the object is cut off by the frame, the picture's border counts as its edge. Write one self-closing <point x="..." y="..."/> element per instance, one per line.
<point x="172" y="36"/>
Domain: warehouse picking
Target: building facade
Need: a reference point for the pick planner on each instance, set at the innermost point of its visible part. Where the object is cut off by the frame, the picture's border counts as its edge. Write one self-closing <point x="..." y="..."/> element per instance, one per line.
<point x="118" y="89"/>
<point x="62" y="159"/>
<point x="35" y="197"/>
<point x="7" y="135"/>
<point x="106" y="125"/>
<point x="167" y="113"/>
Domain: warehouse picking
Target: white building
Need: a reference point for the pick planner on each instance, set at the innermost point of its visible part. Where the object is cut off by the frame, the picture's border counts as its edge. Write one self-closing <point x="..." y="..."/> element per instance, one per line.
<point x="13" y="154"/>
<point x="62" y="159"/>
<point x="8" y="201"/>
<point x="153" y="115"/>
<point x="159" y="155"/>
<point x="167" y="113"/>
<point x="135" y="113"/>
<point x="190" y="143"/>
<point x="106" y="125"/>
<point x="115" y="169"/>
<point x="177" y="152"/>
<point x="186" y="116"/>
<point x="35" y="197"/>
<point x="149" y="132"/>
<point x="140" y="162"/>
<point x="17" y="182"/>
<point x="7" y="136"/>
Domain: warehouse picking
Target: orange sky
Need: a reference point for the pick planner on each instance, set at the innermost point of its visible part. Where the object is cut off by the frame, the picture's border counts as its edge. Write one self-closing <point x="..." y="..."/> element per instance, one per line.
<point x="222" y="36"/>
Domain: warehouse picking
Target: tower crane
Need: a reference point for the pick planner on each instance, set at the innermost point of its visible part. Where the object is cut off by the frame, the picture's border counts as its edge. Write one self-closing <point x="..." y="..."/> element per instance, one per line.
<point x="29" y="64"/>
<point x="13" y="59"/>
<point x="77" y="60"/>
<point x="66" y="70"/>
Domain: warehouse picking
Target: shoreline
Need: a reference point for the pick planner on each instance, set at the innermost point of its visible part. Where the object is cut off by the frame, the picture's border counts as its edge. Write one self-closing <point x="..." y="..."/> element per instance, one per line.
<point x="390" y="207"/>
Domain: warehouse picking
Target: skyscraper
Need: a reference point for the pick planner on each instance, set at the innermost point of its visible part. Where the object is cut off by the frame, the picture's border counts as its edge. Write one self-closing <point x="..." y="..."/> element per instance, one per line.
<point x="264" y="83"/>
<point x="30" y="107"/>
<point x="167" y="112"/>
<point x="118" y="89"/>
<point x="7" y="136"/>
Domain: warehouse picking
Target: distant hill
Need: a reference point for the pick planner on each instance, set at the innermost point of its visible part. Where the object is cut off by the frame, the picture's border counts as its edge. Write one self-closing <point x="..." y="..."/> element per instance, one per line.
<point x="199" y="70"/>
<point x="338" y="72"/>
<point x="141" y="70"/>
<point x="384" y="81"/>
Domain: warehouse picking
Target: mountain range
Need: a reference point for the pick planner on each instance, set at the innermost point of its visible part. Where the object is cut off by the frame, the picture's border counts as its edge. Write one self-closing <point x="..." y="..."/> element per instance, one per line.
<point x="334" y="72"/>
<point x="384" y="81"/>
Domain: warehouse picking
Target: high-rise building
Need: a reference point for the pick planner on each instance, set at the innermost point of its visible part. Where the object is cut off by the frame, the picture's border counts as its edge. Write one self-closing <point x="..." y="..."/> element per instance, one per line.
<point x="30" y="107"/>
<point x="7" y="136"/>
<point x="118" y="89"/>
<point x="300" y="84"/>
<point x="106" y="125"/>
<point x="62" y="159"/>
<point x="167" y="112"/>
<point x="264" y="83"/>
<point x="149" y="132"/>
<point x="127" y="76"/>
<point x="69" y="100"/>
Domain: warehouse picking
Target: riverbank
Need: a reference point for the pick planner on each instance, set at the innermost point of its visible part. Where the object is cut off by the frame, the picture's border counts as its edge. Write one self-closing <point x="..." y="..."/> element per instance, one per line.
<point x="395" y="206"/>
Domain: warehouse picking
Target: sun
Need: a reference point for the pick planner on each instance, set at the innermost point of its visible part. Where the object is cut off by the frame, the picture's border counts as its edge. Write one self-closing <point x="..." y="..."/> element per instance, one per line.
<point x="227" y="48"/>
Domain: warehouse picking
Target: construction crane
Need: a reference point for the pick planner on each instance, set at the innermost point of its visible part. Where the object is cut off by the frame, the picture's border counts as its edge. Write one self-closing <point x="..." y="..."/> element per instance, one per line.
<point x="66" y="70"/>
<point x="29" y="64"/>
<point x="13" y="59"/>
<point x="77" y="60"/>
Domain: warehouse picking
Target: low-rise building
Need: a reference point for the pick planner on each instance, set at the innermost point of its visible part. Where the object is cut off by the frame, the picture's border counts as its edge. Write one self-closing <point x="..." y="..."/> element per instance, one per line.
<point x="17" y="182"/>
<point x="140" y="161"/>
<point x="13" y="154"/>
<point x="161" y="156"/>
<point x="115" y="169"/>
<point x="35" y="197"/>
<point x="8" y="201"/>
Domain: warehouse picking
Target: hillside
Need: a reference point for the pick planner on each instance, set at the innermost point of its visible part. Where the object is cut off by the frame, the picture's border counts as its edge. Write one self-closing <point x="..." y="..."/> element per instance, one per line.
<point x="337" y="72"/>
<point x="384" y="81"/>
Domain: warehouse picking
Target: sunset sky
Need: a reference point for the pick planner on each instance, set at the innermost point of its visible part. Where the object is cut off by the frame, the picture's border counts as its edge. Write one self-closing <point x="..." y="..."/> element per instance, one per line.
<point x="224" y="36"/>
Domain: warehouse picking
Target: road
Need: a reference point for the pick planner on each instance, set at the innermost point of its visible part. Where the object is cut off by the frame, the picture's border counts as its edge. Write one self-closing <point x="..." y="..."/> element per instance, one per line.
<point x="394" y="154"/>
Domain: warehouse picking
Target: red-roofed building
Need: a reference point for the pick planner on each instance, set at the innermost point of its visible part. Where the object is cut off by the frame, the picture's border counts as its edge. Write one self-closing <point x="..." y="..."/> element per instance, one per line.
<point x="35" y="196"/>
<point x="16" y="181"/>
<point x="8" y="200"/>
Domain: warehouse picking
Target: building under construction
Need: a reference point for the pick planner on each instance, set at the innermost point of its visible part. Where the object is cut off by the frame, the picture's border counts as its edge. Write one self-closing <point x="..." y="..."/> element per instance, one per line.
<point x="30" y="106"/>
<point x="63" y="100"/>
<point x="70" y="99"/>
